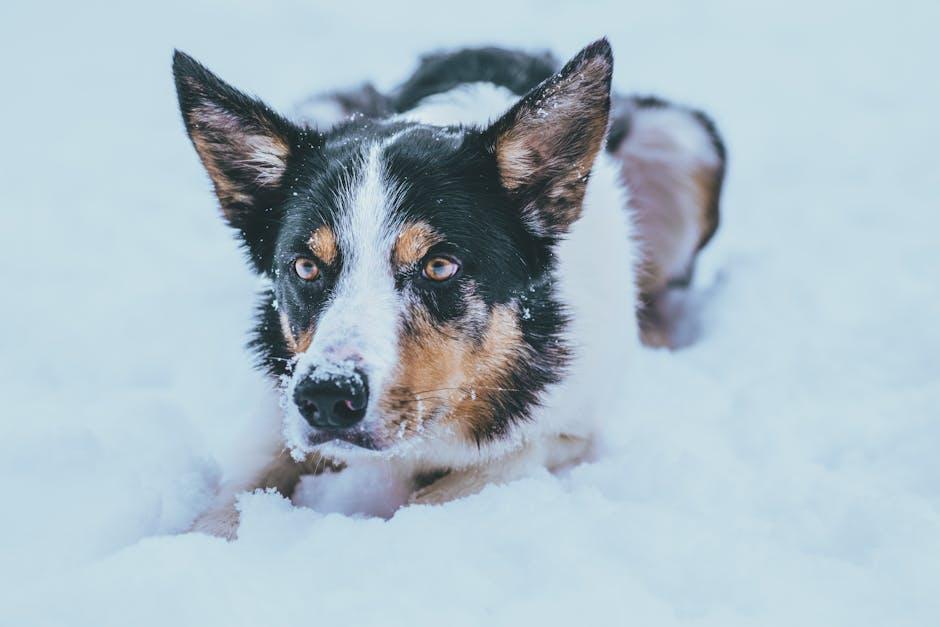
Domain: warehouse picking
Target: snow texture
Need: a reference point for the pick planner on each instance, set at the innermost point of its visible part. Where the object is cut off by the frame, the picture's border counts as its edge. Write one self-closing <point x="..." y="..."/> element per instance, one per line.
<point x="783" y="470"/>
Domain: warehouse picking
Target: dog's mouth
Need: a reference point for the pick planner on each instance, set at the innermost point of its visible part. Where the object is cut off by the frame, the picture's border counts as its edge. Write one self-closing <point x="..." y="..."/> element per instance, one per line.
<point x="356" y="437"/>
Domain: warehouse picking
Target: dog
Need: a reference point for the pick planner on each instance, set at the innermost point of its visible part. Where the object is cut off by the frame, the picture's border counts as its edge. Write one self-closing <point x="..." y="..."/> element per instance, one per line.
<point x="458" y="271"/>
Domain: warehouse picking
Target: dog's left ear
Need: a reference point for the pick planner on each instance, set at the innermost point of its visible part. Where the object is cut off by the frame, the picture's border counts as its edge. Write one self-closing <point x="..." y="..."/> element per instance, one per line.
<point x="546" y="144"/>
<point x="244" y="146"/>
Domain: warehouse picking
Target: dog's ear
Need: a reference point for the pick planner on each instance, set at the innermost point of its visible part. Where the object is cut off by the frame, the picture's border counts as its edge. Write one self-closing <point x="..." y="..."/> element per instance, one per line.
<point x="545" y="145"/>
<point x="244" y="146"/>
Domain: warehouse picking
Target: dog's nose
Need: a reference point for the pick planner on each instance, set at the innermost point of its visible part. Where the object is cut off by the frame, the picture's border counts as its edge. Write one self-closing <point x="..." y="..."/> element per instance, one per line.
<point x="334" y="402"/>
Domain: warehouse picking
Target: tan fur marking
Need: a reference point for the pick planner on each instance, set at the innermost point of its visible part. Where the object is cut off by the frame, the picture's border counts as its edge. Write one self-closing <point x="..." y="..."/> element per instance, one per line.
<point x="514" y="160"/>
<point x="429" y="372"/>
<point x="322" y="243"/>
<point x="299" y="343"/>
<point x="413" y="243"/>
<point x="488" y="368"/>
<point x="708" y="182"/>
<point x="443" y="370"/>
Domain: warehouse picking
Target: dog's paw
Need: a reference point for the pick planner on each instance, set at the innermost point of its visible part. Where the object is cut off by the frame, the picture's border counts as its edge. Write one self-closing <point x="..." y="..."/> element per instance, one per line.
<point x="221" y="522"/>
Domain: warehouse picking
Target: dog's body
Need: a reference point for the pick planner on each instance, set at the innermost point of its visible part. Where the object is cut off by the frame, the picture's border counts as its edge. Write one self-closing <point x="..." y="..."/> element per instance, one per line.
<point x="455" y="279"/>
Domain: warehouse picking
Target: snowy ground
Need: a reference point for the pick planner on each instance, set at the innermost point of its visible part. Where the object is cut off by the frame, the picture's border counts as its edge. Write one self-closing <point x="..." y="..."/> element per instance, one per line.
<point x="783" y="471"/>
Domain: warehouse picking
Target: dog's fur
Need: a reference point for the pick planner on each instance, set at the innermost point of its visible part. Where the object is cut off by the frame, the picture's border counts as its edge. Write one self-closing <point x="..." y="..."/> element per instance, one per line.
<point x="496" y="161"/>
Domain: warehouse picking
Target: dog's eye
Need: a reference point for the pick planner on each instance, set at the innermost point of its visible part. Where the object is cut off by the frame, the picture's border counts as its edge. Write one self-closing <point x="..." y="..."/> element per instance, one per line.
<point x="306" y="269"/>
<point x="440" y="268"/>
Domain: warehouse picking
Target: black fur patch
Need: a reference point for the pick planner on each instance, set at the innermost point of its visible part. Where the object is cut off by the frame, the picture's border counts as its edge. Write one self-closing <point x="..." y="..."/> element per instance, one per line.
<point x="442" y="71"/>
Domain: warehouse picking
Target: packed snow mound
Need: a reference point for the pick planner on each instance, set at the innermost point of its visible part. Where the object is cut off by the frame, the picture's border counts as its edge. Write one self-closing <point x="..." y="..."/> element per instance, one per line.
<point x="783" y="470"/>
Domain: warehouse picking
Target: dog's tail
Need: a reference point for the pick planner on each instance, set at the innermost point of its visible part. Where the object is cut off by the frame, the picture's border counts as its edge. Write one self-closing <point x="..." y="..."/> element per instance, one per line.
<point x="673" y="161"/>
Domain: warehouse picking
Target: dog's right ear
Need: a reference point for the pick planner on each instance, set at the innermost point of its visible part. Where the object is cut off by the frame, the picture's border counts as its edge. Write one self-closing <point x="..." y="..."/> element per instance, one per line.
<point x="244" y="146"/>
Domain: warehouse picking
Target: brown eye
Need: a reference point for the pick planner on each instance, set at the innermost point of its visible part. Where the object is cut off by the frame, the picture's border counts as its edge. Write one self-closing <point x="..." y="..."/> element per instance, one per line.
<point x="306" y="269"/>
<point x="440" y="268"/>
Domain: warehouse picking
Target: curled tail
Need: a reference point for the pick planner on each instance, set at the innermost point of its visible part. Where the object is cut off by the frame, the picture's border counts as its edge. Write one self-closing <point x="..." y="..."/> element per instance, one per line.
<point x="672" y="159"/>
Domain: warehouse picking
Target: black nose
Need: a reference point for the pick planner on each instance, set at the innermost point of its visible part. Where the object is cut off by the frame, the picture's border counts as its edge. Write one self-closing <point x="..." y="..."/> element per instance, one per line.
<point x="334" y="402"/>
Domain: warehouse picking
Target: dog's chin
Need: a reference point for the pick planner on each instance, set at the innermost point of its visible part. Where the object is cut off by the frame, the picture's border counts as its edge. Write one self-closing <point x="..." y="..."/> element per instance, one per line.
<point x="349" y="440"/>
<point x="353" y="443"/>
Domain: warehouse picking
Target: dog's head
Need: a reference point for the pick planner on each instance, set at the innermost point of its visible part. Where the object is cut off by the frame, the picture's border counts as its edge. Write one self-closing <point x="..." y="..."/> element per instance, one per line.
<point x="411" y="266"/>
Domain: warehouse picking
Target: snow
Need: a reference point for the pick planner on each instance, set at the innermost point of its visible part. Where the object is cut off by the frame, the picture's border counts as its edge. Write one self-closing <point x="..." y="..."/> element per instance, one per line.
<point x="783" y="470"/>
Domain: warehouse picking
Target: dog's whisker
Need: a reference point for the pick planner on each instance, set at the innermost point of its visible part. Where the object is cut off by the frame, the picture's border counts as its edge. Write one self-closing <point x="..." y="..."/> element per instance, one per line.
<point x="422" y="399"/>
<point x="469" y="389"/>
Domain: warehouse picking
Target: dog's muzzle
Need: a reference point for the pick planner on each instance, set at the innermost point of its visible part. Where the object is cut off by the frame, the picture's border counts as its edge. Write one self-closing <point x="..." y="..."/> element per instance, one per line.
<point x="335" y="406"/>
